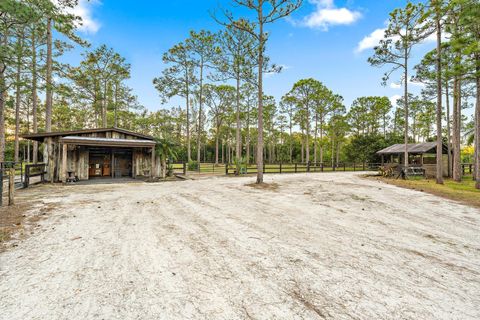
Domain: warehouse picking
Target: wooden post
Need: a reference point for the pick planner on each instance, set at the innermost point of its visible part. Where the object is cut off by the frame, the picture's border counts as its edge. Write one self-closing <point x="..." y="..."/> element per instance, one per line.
<point x="152" y="164"/>
<point x="64" y="163"/>
<point x="296" y="167"/>
<point x="354" y="169"/>
<point x="226" y="169"/>
<point x="1" y="184"/>
<point x="11" y="187"/>
<point x="26" y="181"/>
<point x="383" y="160"/>
<point x="184" y="168"/>
<point x="280" y="167"/>
<point x="112" y="167"/>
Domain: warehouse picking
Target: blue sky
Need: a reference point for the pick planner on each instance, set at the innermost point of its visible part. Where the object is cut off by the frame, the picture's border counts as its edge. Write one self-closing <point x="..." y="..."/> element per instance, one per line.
<point x="329" y="40"/>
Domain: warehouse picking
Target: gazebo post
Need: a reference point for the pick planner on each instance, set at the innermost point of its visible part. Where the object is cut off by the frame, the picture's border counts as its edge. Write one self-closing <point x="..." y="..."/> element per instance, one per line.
<point x="383" y="160"/>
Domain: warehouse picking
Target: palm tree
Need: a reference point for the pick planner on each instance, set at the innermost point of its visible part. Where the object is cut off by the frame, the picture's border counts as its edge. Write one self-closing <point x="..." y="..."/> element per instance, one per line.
<point x="165" y="149"/>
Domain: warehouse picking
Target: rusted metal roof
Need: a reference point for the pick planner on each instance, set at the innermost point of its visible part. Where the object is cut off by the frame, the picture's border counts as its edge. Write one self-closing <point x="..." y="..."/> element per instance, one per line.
<point x="41" y="136"/>
<point x="414" y="148"/>
<point x="107" y="142"/>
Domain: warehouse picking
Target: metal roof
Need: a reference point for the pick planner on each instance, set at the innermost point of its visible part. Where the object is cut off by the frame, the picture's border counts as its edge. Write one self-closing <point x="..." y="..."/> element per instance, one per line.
<point x="41" y="136"/>
<point x="107" y="142"/>
<point x="415" y="148"/>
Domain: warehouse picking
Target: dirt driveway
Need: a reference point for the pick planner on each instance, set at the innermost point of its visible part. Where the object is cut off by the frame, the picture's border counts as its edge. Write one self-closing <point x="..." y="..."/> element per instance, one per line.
<point x="318" y="246"/>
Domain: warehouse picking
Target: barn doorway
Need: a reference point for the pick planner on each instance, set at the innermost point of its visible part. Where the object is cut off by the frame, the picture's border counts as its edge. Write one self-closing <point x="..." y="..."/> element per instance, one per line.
<point x="109" y="163"/>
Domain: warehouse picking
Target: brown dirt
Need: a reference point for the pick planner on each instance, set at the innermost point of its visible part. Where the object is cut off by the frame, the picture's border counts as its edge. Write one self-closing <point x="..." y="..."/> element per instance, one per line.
<point x="264" y="186"/>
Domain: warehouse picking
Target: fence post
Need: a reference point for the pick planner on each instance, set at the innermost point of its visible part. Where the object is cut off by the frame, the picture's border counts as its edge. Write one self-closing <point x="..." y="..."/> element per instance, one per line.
<point x="226" y="168"/>
<point x="198" y="167"/>
<point x="296" y="167"/>
<point x="21" y="171"/>
<point x="364" y="166"/>
<point x="213" y="166"/>
<point x="27" y="175"/>
<point x="263" y="166"/>
<point x="11" y="187"/>
<point x="308" y="166"/>
<point x="280" y="167"/>
<point x="344" y="167"/>
<point x="354" y="167"/>
<point x="184" y="168"/>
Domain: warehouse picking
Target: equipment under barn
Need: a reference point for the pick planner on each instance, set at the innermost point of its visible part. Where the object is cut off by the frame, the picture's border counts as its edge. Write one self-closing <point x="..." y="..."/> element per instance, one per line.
<point x="98" y="153"/>
<point x="419" y="155"/>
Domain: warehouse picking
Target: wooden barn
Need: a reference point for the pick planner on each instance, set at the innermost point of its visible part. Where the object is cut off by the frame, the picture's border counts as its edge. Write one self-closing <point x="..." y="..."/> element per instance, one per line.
<point x="419" y="155"/>
<point x="98" y="153"/>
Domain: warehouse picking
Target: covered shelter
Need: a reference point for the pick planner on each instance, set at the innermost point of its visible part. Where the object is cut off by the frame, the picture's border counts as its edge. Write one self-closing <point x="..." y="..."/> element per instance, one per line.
<point x="98" y="153"/>
<point x="422" y="155"/>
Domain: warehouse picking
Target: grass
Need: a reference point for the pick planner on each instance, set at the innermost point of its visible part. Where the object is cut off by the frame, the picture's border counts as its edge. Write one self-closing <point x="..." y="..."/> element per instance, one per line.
<point x="463" y="192"/>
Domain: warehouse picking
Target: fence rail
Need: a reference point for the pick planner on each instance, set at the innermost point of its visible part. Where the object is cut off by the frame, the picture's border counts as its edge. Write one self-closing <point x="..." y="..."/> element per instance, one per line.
<point x="302" y="167"/>
<point x="34" y="170"/>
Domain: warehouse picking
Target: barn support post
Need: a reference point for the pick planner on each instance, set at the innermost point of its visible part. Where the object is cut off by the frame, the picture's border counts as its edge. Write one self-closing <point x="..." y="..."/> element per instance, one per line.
<point x="64" y="163"/>
<point x="152" y="167"/>
<point x="112" y="164"/>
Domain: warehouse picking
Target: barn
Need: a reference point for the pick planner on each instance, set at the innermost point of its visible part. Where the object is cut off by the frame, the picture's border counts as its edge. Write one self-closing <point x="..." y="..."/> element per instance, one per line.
<point x="98" y="154"/>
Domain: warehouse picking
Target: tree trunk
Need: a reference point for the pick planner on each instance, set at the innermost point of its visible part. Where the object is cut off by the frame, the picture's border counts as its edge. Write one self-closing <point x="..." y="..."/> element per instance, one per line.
<point x="164" y="167"/>
<point x="18" y="97"/>
<point x="315" y="142"/>
<point x="238" y="150"/>
<point x="439" y="172"/>
<point x="260" y="97"/>
<point x="3" y="95"/>
<point x="307" y="137"/>
<point x="189" y="147"/>
<point x="104" y="105"/>
<point x="216" y="145"/>
<point x="449" y="136"/>
<point x="115" y="124"/>
<point x="200" y="105"/>
<point x="477" y="125"/>
<point x="405" y="162"/>
<point x="247" y="142"/>
<point x="48" y="102"/>
<point x="290" y="140"/>
<point x="34" y="94"/>
<point x="321" y="139"/>
<point x="457" y="174"/>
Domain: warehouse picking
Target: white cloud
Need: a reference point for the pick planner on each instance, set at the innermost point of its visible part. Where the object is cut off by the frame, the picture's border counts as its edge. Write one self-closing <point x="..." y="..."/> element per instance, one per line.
<point x="327" y="14"/>
<point x="394" y="98"/>
<point x="373" y="39"/>
<point x="84" y="10"/>
<point x="394" y="85"/>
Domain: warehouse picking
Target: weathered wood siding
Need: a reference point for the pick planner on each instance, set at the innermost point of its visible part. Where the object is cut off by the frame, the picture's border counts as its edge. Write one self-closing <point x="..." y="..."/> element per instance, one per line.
<point x="431" y="169"/>
<point x="142" y="162"/>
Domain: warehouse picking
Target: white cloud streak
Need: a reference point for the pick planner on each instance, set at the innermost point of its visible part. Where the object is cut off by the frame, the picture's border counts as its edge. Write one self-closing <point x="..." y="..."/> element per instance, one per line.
<point x="327" y="15"/>
<point x="84" y="10"/>
<point x="373" y="39"/>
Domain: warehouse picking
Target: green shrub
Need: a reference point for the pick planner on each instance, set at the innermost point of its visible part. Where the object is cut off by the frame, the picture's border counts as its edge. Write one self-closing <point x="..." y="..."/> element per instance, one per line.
<point x="192" y="165"/>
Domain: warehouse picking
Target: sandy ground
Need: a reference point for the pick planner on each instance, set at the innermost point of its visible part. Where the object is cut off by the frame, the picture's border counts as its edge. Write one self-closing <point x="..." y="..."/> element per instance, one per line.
<point x="318" y="246"/>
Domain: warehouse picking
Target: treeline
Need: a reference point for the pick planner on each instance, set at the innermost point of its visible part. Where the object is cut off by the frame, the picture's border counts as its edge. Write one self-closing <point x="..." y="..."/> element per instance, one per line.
<point x="226" y="115"/>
